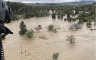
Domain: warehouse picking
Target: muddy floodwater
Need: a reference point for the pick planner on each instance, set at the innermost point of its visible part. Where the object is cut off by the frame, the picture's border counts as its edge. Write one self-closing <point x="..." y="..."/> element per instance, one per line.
<point x="18" y="47"/>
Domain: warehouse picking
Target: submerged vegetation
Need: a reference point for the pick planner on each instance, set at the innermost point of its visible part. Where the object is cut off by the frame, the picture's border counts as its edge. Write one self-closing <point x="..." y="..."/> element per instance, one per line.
<point x="29" y="33"/>
<point x="26" y="11"/>
<point x="85" y="13"/>
<point x="53" y="42"/>
<point x="50" y="27"/>
<point x="71" y="39"/>
<point x="55" y="56"/>
<point x="23" y="29"/>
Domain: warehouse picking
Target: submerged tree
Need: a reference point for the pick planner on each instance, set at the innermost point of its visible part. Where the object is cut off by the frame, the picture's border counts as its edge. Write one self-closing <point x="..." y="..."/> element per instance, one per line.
<point x="76" y="11"/>
<point x="54" y="30"/>
<point x="30" y="33"/>
<point x="68" y="15"/>
<point x="58" y="16"/>
<point x="71" y="39"/>
<point x="55" y="56"/>
<point x="80" y="22"/>
<point x="23" y="29"/>
<point x="50" y="27"/>
<point x="61" y="16"/>
<point x="65" y="19"/>
<point x="53" y="16"/>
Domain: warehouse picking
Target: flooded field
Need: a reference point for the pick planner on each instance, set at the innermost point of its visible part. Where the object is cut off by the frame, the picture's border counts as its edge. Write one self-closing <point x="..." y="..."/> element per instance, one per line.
<point x="43" y="49"/>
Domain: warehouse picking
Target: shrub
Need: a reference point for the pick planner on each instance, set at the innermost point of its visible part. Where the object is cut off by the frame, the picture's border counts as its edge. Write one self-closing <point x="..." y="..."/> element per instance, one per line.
<point x="55" y="56"/>
<point x="65" y="19"/>
<point x="29" y="33"/>
<point x="39" y="25"/>
<point x="50" y="27"/>
<point x="80" y="22"/>
<point x="71" y="39"/>
<point x="54" y="30"/>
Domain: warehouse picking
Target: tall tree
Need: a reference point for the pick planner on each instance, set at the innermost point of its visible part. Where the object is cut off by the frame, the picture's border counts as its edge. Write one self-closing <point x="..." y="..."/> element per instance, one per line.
<point x="23" y="29"/>
<point x="61" y="16"/>
<point x="53" y="16"/>
<point x="68" y="15"/>
<point x="76" y="11"/>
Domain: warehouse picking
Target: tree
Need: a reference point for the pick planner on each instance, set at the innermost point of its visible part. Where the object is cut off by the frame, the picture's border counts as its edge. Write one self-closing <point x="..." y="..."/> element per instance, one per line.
<point x="55" y="56"/>
<point x="68" y="15"/>
<point x="76" y="11"/>
<point x="61" y="16"/>
<point x="70" y="19"/>
<point x="80" y="22"/>
<point x="65" y="19"/>
<point x="54" y="30"/>
<point x="50" y="27"/>
<point x="53" y="16"/>
<point x="71" y="39"/>
<point x="30" y="33"/>
<point x="23" y="29"/>
<point x="15" y="17"/>
<point x="58" y="16"/>
<point x="52" y="10"/>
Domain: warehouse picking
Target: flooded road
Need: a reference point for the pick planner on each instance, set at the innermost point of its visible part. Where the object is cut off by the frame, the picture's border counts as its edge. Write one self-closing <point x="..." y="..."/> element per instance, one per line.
<point x="43" y="49"/>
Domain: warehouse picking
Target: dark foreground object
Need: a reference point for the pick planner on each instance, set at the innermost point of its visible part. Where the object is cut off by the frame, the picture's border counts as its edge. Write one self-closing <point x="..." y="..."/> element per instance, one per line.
<point x="3" y="32"/>
<point x="1" y="50"/>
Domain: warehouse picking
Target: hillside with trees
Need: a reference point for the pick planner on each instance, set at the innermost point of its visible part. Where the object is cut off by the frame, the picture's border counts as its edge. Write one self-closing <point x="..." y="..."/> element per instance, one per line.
<point x="87" y="12"/>
<point x="20" y="10"/>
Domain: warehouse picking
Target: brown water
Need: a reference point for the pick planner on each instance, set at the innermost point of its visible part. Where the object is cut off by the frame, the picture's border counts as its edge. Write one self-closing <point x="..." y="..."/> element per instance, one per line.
<point x="43" y="49"/>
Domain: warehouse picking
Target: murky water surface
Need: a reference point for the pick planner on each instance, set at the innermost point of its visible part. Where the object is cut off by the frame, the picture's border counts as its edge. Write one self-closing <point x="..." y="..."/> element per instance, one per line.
<point x="43" y="49"/>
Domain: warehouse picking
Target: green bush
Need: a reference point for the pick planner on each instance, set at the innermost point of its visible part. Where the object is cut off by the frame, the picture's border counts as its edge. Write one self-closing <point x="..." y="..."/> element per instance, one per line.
<point x="55" y="56"/>
<point x="50" y="27"/>
<point x="29" y="33"/>
<point x="80" y="22"/>
<point x="65" y="19"/>
<point x="71" y="39"/>
<point x="54" y="30"/>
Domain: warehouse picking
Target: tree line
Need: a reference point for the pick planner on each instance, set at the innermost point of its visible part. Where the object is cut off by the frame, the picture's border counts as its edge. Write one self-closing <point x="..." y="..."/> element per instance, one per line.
<point x="25" y="11"/>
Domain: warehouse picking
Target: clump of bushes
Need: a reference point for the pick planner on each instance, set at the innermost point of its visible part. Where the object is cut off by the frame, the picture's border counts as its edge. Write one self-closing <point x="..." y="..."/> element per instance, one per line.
<point x="24" y="31"/>
<point x="15" y="17"/>
<point x="80" y="22"/>
<point x="55" y="56"/>
<point x="54" y="30"/>
<point x="65" y="19"/>
<point x="29" y="33"/>
<point x="50" y="27"/>
<point x="71" y="39"/>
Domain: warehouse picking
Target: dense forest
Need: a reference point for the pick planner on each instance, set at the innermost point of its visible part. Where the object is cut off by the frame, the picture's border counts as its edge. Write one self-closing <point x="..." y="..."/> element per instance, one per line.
<point x="20" y="10"/>
<point x="87" y="12"/>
